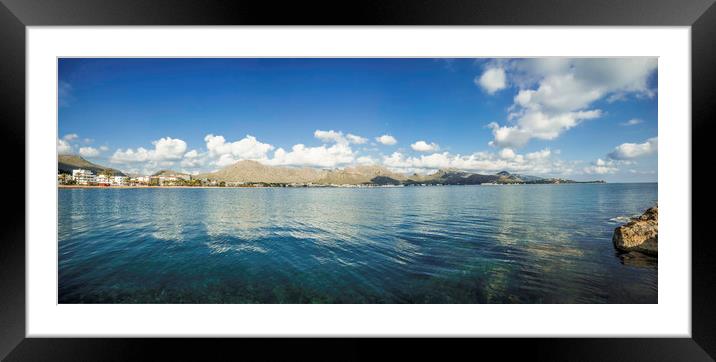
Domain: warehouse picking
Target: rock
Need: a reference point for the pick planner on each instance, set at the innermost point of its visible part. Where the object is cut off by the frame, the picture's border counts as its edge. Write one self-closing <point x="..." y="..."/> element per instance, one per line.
<point x="650" y="214"/>
<point x="641" y="234"/>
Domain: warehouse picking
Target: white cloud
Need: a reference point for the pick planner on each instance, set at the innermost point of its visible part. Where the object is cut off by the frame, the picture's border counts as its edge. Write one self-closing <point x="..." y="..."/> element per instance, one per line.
<point x="89" y="152"/>
<point x="103" y="148"/>
<point x="386" y="140"/>
<point x="63" y="147"/>
<point x="538" y="155"/>
<point x="422" y="146"/>
<point x="508" y="136"/>
<point x="556" y="94"/>
<point x="507" y="154"/>
<point x="169" y="148"/>
<point x="492" y="80"/>
<point x="170" y="152"/>
<point x="638" y="172"/>
<point x="70" y="137"/>
<point x="141" y="154"/>
<point x="365" y="160"/>
<point x="225" y="160"/>
<point x="339" y="153"/>
<point x="606" y="75"/>
<point x="539" y="162"/>
<point x="628" y="151"/>
<point x="322" y="156"/>
<point x="356" y="139"/>
<point x="537" y="124"/>
<point x="632" y="122"/>
<point x="247" y="148"/>
<point x="193" y="159"/>
<point x="329" y="136"/>
<point x="601" y="167"/>
<point x="165" y="150"/>
<point x="338" y="137"/>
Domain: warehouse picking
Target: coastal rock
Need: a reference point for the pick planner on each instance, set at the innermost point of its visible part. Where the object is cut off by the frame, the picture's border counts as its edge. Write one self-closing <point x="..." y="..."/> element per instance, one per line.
<point x="640" y="234"/>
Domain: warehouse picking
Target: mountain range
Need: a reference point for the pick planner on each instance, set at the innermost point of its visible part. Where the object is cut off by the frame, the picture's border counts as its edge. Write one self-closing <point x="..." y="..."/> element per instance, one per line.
<point x="256" y="172"/>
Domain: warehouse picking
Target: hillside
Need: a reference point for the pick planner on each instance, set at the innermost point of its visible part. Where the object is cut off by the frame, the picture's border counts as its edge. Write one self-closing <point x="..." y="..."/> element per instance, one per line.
<point x="170" y="173"/>
<point x="362" y="175"/>
<point x="67" y="163"/>
<point x="457" y="177"/>
<point x="252" y="171"/>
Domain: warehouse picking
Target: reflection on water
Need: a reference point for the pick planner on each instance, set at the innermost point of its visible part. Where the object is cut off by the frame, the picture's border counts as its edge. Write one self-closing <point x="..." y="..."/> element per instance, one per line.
<point x="457" y="244"/>
<point x="637" y="259"/>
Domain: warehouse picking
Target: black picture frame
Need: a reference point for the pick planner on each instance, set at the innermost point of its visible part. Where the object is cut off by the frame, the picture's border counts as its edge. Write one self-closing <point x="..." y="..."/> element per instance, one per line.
<point x="16" y="15"/>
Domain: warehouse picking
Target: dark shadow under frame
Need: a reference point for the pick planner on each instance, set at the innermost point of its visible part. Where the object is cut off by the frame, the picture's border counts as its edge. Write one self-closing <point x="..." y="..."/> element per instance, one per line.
<point x="15" y="15"/>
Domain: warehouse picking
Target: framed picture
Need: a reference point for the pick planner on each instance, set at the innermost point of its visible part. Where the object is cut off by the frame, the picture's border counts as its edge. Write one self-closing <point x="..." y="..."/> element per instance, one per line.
<point x="448" y="169"/>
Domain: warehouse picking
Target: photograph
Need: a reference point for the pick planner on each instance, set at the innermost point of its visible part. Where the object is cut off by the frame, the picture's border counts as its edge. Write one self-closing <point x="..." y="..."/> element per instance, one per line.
<point x="357" y="180"/>
<point x="482" y="175"/>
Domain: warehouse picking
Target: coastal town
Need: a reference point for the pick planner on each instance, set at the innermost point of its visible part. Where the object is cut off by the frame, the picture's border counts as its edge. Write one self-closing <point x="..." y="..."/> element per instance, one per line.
<point x="76" y="172"/>
<point x="84" y="177"/>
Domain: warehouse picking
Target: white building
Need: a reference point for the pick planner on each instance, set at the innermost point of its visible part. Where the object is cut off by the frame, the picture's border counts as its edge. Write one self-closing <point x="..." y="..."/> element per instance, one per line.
<point x="166" y="180"/>
<point x="102" y="180"/>
<point x="119" y="180"/>
<point x="83" y="177"/>
<point x="138" y="180"/>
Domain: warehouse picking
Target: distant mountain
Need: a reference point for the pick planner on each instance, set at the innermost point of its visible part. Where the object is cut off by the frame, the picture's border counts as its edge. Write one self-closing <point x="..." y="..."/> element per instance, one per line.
<point x="252" y="171"/>
<point x="453" y="177"/>
<point x="170" y="173"/>
<point x="67" y="163"/>
<point x="384" y="180"/>
<point x="362" y="175"/>
<point x="256" y="172"/>
<point x="457" y="177"/>
<point x="527" y="178"/>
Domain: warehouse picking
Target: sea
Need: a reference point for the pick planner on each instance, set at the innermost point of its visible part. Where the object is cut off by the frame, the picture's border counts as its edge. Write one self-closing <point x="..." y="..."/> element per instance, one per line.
<point x="433" y="244"/>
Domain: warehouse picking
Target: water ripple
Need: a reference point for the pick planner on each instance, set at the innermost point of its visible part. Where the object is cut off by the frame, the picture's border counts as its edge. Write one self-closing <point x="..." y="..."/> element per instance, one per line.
<point x="528" y="244"/>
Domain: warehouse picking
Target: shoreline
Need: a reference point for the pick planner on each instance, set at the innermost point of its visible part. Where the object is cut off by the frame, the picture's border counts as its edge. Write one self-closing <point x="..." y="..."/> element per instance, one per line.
<point x="156" y="187"/>
<point x="227" y="187"/>
<point x="298" y="187"/>
<point x="219" y="187"/>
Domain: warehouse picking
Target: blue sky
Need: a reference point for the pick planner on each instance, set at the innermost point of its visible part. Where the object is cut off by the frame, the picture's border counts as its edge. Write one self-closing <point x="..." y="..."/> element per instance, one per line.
<point x="575" y="118"/>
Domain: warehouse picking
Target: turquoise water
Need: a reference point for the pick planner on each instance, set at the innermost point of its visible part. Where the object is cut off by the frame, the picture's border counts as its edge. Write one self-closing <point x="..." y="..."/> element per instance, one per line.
<point x="451" y="244"/>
